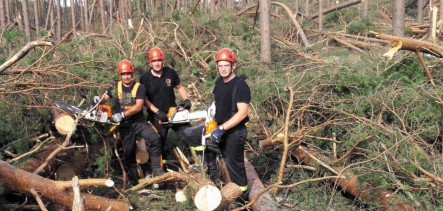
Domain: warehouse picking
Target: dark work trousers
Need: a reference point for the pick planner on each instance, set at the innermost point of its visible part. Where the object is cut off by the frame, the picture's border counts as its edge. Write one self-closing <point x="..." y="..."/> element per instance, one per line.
<point x="129" y="132"/>
<point x="167" y="146"/>
<point x="231" y="148"/>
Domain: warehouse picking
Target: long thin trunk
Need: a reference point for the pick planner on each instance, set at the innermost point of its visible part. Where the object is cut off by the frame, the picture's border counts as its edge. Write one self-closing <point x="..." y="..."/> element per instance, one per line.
<point x="365" y="8"/>
<point x="441" y="10"/>
<point x="85" y="15"/>
<point x="420" y="4"/>
<point x="265" y="30"/>
<point x="48" y="15"/>
<point x="2" y="15"/>
<point x="36" y="17"/>
<point x="59" y="20"/>
<point x="26" y="19"/>
<point x="102" y="15"/>
<point x="398" y="17"/>
<point x="111" y="5"/>
<point x="320" y="15"/>
<point x="73" y="16"/>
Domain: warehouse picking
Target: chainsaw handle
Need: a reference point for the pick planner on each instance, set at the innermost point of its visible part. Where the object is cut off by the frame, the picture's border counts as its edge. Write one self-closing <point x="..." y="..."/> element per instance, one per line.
<point x="113" y="128"/>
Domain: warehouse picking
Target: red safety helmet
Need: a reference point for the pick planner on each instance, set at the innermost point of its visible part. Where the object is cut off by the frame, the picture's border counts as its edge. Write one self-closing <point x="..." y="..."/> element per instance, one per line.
<point x="125" y="66"/>
<point x="155" y="54"/>
<point x="225" y="54"/>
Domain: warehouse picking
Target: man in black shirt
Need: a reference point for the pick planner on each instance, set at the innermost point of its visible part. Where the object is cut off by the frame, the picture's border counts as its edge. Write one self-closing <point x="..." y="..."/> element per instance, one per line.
<point x="129" y="98"/>
<point x="160" y="82"/>
<point x="232" y="97"/>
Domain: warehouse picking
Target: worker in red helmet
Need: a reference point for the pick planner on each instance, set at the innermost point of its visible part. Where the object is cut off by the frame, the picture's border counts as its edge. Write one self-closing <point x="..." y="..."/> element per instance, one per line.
<point x="129" y="98"/>
<point x="161" y="82"/>
<point x="232" y="97"/>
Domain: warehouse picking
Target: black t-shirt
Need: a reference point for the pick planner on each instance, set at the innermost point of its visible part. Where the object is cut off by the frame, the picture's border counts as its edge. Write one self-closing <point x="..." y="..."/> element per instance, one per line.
<point x="160" y="90"/>
<point x="127" y="99"/>
<point x="225" y="108"/>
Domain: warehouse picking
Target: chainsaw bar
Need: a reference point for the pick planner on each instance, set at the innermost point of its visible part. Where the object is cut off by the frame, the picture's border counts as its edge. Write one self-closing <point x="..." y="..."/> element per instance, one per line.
<point x="69" y="108"/>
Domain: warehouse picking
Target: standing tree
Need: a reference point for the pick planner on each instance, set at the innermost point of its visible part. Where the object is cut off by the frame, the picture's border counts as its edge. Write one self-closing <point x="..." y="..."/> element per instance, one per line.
<point x="59" y="20"/>
<point x="85" y="15"/>
<point x="320" y="15"/>
<point x="36" y="17"/>
<point x="2" y="15"/>
<point x="265" y="32"/>
<point x="420" y="4"/>
<point x="27" y="25"/>
<point x="441" y="10"/>
<point x="48" y="15"/>
<point x="398" y="17"/>
<point x="365" y="8"/>
<point x="102" y="15"/>
<point x="73" y="16"/>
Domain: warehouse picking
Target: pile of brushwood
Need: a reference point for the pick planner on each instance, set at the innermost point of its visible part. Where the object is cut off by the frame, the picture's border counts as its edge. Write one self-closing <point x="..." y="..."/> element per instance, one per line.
<point x="331" y="127"/>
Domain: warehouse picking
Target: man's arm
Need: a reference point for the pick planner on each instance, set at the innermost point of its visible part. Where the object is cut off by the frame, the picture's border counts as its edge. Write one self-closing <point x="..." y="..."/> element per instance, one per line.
<point x="135" y="108"/>
<point x="150" y="106"/>
<point x="182" y="91"/>
<point x="241" y="114"/>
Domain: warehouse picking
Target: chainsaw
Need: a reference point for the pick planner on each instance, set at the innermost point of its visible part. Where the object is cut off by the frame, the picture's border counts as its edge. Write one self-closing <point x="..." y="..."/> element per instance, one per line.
<point x="185" y="116"/>
<point x="100" y="113"/>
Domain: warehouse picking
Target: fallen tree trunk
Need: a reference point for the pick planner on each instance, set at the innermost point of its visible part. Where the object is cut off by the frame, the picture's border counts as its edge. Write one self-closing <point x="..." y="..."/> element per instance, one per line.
<point x="351" y="185"/>
<point x="295" y="22"/>
<point x="255" y="186"/>
<point x="336" y="7"/>
<point x="56" y="191"/>
<point x="229" y="192"/>
<point x="413" y="45"/>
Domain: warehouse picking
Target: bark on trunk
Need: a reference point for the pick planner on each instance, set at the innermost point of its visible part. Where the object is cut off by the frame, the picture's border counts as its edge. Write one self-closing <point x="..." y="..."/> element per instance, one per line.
<point x="336" y="7"/>
<point x="413" y="45"/>
<point x="255" y="186"/>
<point x="229" y="192"/>
<point x="26" y="19"/>
<point x="56" y="191"/>
<point x="265" y="30"/>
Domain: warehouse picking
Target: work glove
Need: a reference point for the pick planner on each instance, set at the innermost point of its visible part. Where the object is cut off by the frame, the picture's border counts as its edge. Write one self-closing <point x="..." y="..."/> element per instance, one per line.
<point x="216" y="135"/>
<point x="160" y="115"/>
<point x="118" y="117"/>
<point x="96" y="100"/>
<point x="186" y="104"/>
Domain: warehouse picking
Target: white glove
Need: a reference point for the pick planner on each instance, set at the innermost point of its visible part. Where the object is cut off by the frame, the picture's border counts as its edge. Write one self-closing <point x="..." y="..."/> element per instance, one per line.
<point x="118" y="117"/>
<point x="96" y="99"/>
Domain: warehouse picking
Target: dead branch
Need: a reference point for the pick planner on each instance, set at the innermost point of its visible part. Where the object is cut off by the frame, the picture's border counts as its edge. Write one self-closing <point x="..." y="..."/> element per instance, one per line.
<point x="285" y="141"/>
<point x="347" y="44"/>
<point x="350" y="150"/>
<point x="295" y="22"/>
<point x="78" y="202"/>
<point x="54" y="153"/>
<point x="22" y="181"/>
<point x="22" y="53"/>
<point x="38" y="199"/>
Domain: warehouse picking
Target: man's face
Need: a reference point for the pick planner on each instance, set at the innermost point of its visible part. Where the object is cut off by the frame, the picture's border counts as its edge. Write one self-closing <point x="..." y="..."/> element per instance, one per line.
<point x="157" y="65"/>
<point x="126" y="78"/>
<point x="225" y="68"/>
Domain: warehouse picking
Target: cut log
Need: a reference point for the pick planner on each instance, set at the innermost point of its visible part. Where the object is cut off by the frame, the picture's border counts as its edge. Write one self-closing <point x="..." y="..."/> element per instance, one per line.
<point x="229" y="192"/>
<point x="56" y="191"/>
<point x="350" y="184"/>
<point x="64" y="122"/>
<point x="255" y="186"/>
<point x="347" y="44"/>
